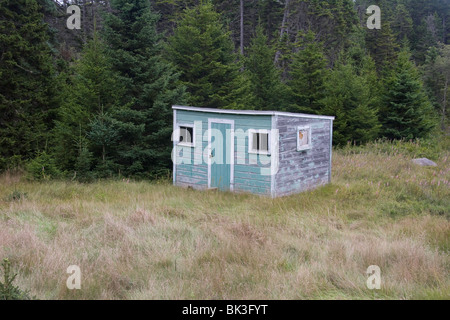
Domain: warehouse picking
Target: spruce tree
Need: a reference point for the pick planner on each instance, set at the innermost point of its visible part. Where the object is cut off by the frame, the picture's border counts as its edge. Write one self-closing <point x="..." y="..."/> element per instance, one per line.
<point x="265" y="78"/>
<point x="437" y="80"/>
<point x="382" y="46"/>
<point x="307" y="76"/>
<point x="402" y="23"/>
<point x="151" y="87"/>
<point x="27" y="86"/>
<point x="90" y="88"/>
<point x="349" y="97"/>
<point x="203" y="51"/>
<point x="407" y="112"/>
<point x="103" y="134"/>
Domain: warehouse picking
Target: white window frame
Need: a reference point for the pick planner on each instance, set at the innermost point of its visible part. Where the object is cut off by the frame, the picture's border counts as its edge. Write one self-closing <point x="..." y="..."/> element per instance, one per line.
<point x="309" y="145"/>
<point x="185" y="144"/>
<point x="250" y="141"/>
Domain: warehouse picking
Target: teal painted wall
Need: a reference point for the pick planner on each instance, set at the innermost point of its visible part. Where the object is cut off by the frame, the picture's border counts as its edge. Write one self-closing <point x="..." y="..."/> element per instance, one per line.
<point x="247" y="174"/>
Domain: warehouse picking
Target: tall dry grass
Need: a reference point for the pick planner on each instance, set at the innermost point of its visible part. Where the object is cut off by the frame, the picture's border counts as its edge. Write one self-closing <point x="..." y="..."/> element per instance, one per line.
<point x="142" y="240"/>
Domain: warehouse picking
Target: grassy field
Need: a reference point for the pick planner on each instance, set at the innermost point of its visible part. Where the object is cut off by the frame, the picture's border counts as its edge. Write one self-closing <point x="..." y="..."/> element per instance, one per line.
<point x="141" y="240"/>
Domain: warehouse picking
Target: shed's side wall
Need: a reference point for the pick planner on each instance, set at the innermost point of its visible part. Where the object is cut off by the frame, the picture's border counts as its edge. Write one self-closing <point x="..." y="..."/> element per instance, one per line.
<point x="302" y="170"/>
<point x="247" y="168"/>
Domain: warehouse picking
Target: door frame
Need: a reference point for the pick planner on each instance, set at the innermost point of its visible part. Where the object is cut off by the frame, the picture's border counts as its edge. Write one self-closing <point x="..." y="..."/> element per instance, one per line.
<point x="232" y="153"/>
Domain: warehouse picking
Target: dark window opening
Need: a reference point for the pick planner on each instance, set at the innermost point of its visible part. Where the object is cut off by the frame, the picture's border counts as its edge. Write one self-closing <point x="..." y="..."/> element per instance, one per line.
<point x="186" y="135"/>
<point x="260" y="142"/>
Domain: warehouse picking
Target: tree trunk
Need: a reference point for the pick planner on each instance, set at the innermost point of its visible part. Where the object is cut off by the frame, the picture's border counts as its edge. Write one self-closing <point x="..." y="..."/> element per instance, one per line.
<point x="242" y="27"/>
<point x="283" y="28"/>
<point x="444" y="104"/>
<point x="444" y="29"/>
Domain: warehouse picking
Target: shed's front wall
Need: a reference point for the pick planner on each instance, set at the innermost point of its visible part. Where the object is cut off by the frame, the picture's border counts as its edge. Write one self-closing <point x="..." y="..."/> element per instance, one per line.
<point x="302" y="170"/>
<point x="248" y="175"/>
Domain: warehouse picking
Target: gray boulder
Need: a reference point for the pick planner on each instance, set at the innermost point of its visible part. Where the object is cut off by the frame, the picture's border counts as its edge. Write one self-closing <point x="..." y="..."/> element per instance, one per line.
<point x="424" y="162"/>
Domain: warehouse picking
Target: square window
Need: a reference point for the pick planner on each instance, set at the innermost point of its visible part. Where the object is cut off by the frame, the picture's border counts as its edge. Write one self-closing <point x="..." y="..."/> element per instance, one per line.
<point x="259" y="141"/>
<point x="186" y="137"/>
<point x="303" y="138"/>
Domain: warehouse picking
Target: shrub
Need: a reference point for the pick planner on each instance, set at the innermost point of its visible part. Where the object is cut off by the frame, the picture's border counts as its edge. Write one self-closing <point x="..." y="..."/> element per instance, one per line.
<point x="83" y="166"/>
<point x="14" y="163"/>
<point x="42" y="168"/>
<point x="7" y="290"/>
<point x="16" y="195"/>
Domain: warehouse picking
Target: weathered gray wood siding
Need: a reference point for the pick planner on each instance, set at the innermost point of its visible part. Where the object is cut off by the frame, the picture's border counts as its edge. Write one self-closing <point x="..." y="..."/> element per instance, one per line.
<point x="302" y="170"/>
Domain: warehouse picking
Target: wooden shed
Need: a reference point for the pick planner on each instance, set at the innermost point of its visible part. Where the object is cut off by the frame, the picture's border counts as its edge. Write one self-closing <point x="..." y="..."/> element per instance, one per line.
<point x="262" y="152"/>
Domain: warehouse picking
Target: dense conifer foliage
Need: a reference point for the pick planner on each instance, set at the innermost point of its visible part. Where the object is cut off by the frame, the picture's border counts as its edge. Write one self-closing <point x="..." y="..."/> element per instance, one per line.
<point x="96" y="102"/>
